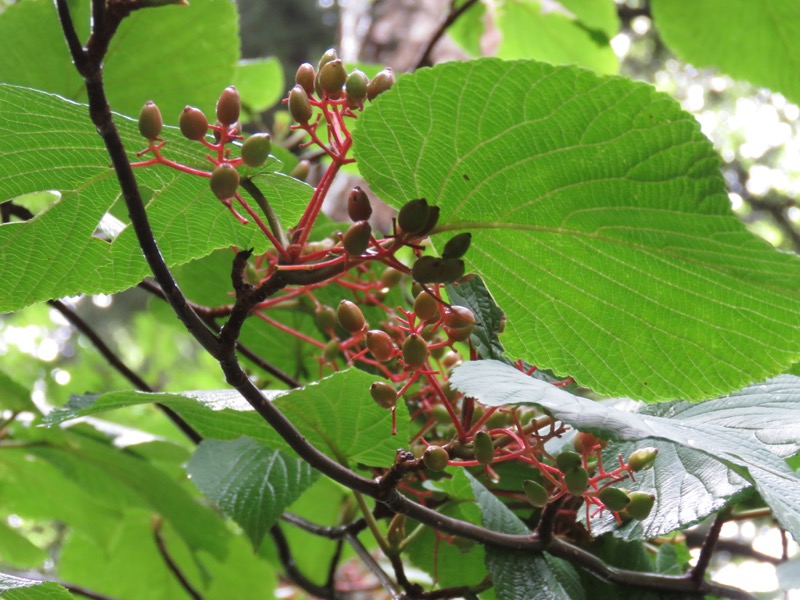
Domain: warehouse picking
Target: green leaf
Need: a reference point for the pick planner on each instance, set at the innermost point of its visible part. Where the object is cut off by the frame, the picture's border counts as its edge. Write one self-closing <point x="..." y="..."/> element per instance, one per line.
<point x="529" y="30"/>
<point x="711" y="34"/>
<point x="154" y="55"/>
<point x="468" y="29"/>
<point x="518" y="575"/>
<point x="672" y="558"/>
<point x="259" y="82"/>
<point x="600" y="224"/>
<point x="728" y="440"/>
<point x="17" y="588"/>
<point x="14" y="396"/>
<point x="63" y="152"/>
<point x="336" y="414"/>
<point x="249" y="482"/>
<point x="234" y="577"/>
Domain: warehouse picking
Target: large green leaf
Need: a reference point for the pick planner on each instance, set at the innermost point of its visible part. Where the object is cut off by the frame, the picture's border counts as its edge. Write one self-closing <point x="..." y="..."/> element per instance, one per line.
<point x="733" y="438"/>
<point x="336" y="414"/>
<point x="17" y="588"/>
<point x="62" y="152"/>
<point x="251" y="483"/>
<point x="600" y="224"/>
<point x="755" y="41"/>
<point x="154" y="56"/>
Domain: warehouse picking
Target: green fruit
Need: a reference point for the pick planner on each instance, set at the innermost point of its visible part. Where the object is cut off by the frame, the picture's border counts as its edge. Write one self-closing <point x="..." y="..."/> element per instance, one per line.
<point x="359" y="207"/>
<point x="415" y="351"/>
<point x="568" y="460"/>
<point x="391" y="277"/>
<point x="224" y="181"/>
<point x="193" y="124"/>
<point x="426" y="307"/>
<point x="613" y="498"/>
<point x="229" y="105"/>
<point x="484" y="448"/>
<point x="457" y="246"/>
<point x="459" y="322"/>
<point x="642" y="458"/>
<point x="301" y="170"/>
<point x="382" y="82"/>
<point x="331" y="350"/>
<point x="384" y="394"/>
<point x="332" y="77"/>
<point x="325" y="317"/>
<point x="305" y="77"/>
<point x="535" y="493"/>
<point x="435" y="458"/>
<point x="451" y="359"/>
<point x="576" y="480"/>
<point x="396" y="532"/>
<point x="256" y="149"/>
<point x="413" y="216"/>
<point x="356" y="239"/>
<point x="356" y="89"/>
<point x="640" y="505"/>
<point x="380" y="345"/>
<point x="150" y="121"/>
<point x="430" y="223"/>
<point x="328" y="56"/>
<point x="350" y="317"/>
<point x="299" y="106"/>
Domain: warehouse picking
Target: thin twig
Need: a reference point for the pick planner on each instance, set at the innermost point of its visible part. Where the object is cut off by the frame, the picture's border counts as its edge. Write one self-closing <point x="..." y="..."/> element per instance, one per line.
<point x="292" y="572"/>
<point x="171" y="564"/>
<point x="453" y="15"/>
<point x="698" y="573"/>
<point x="383" y="578"/>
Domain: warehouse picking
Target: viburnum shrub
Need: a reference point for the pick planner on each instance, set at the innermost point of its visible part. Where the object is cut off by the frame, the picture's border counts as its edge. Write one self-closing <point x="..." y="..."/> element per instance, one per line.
<point x="433" y="386"/>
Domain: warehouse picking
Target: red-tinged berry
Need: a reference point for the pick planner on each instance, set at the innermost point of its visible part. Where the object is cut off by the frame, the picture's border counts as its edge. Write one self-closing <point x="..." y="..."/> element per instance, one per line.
<point x="193" y="124"/>
<point x="299" y="106"/>
<point x="459" y="322"/>
<point x="613" y="498"/>
<point x="567" y="460"/>
<point x="229" y="105"/>
<point x="331" y="351"/>
<point x="357" y="237"/>
<point x="426" y="307"/>
<point x="224" y="181"/>
<point x="305" y="77"/>
<point x="535" y="493"/>
<point x="256" y="149"/>
<point x="457" y="246"/>
<point x="415" y="351"/>
<point x="413" y="216"/>
<point x="483" y="447"/>
<point x="150" y="121"/>
<point x="576" y="480"/>
<point x="384" y="394"/>
<point x="451" y="359"/>
<point x="350" y="317"/>
<point x="380" y="345"/>
<point x="640" y="505"/>
<point x="332" y="77"/>
<point x="301" y="170"/>
<point x="359" y="207"/>
<point x="382" y="82"/>
<point x="584" y="442"/>
<point x="435" y="458"/>
<point x="642" y="458"/>
<point x="325" y="317"/>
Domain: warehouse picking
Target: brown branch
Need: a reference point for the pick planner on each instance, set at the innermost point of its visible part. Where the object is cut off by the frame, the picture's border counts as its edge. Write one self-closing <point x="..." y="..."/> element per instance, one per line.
<point x="695" y="539"/>
<point x="367" y="558"/>
<point x="452" y="16"/>
<point x="290" y="566"/>
<point x="171" y="564"/>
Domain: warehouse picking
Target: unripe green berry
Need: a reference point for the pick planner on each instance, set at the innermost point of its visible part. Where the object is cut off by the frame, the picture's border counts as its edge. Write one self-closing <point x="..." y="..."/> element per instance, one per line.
<point x="332" y="77"/>
<point x="150" y="121"/>
<point x="356" y="238"/>
<point x="224" y="181"/>
<point x="457" y="246"/>
<point x="384" y="394"/>
<point x="484" y="448"/>
<point x="331" y="350"/>
<point x="391" y="277"/>
<point x="426" y="307"/>
<point x="193" y="123"/>
<point x="567" y="460"/>
<point x="229" y="105"/>
<point x="350" y="317"/>
<point x="356" y="89"/>
<point x="299" y="106"/>
<point x="359" y="207"/>
<point x="459" y="322"/>
<point x="415" y="351"/>
<point x="380" y="345"/>
<point x="642" y="458"/>
<point x="640" y="505"/>
<point x="305" y="77"/>
<point x="327" y="56"/>
<point x="301" y="170"/>
<point x="613" y="498"/>
<point x="256" y="149"/>
<point x="451" y="359"/>
<point x="325" y="317"/>
<point x="535" y="493"/>
<point x="396" y="532"/>
<point x="435" y="458"/>
<point x="382" y="82"/>
<point x="413" y="216"/>
<point x="576" y="480"/>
